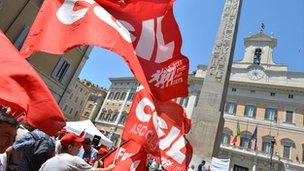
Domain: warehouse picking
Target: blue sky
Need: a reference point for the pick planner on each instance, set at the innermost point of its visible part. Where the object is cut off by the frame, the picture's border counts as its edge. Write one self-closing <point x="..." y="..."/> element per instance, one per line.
<point x="199" y="20"/>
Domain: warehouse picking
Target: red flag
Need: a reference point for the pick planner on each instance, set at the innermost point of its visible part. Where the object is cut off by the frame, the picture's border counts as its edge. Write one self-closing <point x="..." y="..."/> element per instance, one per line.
<point x="152" y="49"/>
<point x="234" y="140"/>
<point x="131" y="156"/>
<point x="22" y="89"/>
<point x="160" y="127"/>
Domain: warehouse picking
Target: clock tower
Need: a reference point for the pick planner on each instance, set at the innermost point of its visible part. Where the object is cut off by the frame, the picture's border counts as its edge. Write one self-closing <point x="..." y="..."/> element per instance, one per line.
<point x="258" y="62"/>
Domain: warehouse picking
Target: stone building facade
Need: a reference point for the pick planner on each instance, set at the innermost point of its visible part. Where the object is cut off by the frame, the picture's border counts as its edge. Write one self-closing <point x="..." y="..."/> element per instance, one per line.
<point x="58" y="72"/>
<point x="94" y="102"/>
<point x="77" y="100"/>
<point x="262" y="94"/>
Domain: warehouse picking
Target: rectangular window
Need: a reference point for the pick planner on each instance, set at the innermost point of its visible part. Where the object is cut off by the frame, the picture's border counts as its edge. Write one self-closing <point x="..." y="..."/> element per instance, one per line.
<point x="65" y="108"/>
<point x="71" y="110"/>
<point x="271" y="114"/>
<point x="62" y="71"/>
<point x="76" y="115"/>
<point x="233" y="89"/>
<point x="239" y="168"/>
<point x="71" y="96"/>
<point x="76" y="99"/>
<point x="286" y="151"/>
<point x="249" y="111"/>
<point x="289" y="116"/>
<point x="290" y="96"/>
<point x="272" y="94"/>
<point x="245" y="142"/>
<point x="266" y="147"/>
<point x="252" y="91"/>
<point x="231" y="107"/>
<point x="225" y="138"/>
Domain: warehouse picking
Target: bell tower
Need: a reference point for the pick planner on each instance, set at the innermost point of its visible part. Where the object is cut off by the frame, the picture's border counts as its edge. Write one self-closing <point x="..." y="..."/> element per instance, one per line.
<point x="259" y="48"/>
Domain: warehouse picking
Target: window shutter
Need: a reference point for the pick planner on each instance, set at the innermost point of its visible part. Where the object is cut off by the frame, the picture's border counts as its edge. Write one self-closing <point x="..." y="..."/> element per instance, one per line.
<point x="67" y="76"/>
<point x="21" y="38"/>
<point x="57" y="68"/>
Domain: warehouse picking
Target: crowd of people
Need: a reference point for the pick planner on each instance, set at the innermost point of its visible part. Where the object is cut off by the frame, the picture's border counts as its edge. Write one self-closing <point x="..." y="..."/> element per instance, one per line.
<point x="24" y="148"/>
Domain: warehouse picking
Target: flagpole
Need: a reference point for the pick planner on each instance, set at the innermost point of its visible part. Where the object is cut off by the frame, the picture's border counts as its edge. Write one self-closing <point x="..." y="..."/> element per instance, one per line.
<point x="246" y="133"/>
<point x="247" y="125"/>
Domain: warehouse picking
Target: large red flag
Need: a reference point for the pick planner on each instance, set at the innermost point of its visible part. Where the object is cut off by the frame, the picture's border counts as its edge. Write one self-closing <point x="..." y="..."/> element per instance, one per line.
<point x="130" y="156"/>
<point x="161" y="128"/>
<point x="22" y="89"/>
<point x="144" y="32"/>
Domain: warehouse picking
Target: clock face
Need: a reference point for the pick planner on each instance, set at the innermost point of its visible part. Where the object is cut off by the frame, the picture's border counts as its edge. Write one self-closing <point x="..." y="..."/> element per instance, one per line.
<point x="256" y="74"/>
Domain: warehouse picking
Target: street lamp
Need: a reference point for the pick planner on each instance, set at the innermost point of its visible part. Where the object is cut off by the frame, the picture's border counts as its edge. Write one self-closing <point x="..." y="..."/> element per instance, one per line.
<point x="273" y="142"/>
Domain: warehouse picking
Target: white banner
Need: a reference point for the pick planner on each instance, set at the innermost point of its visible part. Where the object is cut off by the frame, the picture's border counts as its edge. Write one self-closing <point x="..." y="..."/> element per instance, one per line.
<point x="219" y="164"/>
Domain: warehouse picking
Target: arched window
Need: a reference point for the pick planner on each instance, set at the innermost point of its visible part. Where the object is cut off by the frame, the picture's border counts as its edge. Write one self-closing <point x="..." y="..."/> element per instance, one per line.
<point x="245" y="139"/>
<point x="114" y="117"/>
<point x="111" y="95"/>
<point x="123" y="96"/>
<point x="123" y="117"/>
<point x="257" y="56"/>
<point x="103" y="113"/>
<point x="287" y="145"/>
<point x="226" y="137"/>
<point x="117" y="94"/>
<point x="108" y="115"/>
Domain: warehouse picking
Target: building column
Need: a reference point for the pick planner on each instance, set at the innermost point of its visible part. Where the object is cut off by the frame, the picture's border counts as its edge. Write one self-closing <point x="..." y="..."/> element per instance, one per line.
<point x="254" y="167"/>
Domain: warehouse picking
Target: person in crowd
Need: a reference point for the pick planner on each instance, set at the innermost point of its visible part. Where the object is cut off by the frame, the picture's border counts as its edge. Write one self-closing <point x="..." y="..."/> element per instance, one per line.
<point x="202" y="167"/>
<point x="87" y="152"/>
<point x="191" y="168"/>
<point x="16" y="156"/>
<point x="58" y="136"/>
<point x="153" y="166"/>
<point x="68" y="160"/>
<point x="28" y="144"/>
<point x="100" y="154"/>
<point x="8" y="131"/>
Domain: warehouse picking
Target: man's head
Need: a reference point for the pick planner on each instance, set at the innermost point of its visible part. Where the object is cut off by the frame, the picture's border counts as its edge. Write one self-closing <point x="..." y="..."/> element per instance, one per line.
<point x="203" y="162"/>
<point x="192" y="166"/>
<point x="71" y="143"/>
<point x="87" y="144"/>
<point x="8" y="130"/>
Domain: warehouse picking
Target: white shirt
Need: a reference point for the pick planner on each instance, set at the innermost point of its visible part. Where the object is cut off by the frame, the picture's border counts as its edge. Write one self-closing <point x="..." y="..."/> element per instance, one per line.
<point x="65" y="162"/>
<point x="3" y="161"/>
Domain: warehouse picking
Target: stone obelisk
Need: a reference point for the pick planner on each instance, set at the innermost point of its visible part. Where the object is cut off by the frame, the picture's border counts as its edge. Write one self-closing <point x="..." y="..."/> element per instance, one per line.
<point x="207" y="118"/>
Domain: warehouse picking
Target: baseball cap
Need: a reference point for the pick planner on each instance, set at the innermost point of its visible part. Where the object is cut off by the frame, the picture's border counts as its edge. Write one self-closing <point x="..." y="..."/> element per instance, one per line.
<point x="68" y="138"/>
